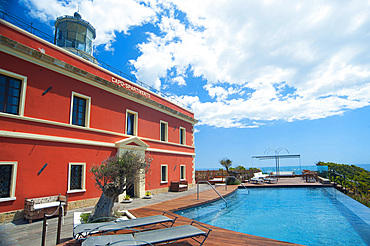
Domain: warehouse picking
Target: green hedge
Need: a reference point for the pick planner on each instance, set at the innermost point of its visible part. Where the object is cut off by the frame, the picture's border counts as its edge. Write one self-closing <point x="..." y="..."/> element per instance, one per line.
<point x="351" y="172"/>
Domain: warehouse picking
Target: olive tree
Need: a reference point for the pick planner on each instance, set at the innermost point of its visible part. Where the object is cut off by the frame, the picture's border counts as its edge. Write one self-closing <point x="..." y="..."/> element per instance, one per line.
<point x="226" y="163"/>
<point x="114" y="176"/>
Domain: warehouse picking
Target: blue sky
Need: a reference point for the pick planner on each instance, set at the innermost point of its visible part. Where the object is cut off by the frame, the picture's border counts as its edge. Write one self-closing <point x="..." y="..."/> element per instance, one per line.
<point x="257" y="74"/>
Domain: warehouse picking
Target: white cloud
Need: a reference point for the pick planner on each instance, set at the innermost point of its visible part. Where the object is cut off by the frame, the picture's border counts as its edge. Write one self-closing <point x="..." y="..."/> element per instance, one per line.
<point x="296" y="60"/>
<point x="179" y="80"/>
<point x="259" y="61"/>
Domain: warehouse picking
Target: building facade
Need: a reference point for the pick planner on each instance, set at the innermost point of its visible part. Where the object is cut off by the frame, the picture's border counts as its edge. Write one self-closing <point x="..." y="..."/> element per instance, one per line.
<point x="61" y="113"/>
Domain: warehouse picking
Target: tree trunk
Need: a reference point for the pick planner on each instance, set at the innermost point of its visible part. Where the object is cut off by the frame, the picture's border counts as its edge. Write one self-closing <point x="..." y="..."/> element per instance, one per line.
<point x="103" y="208"/>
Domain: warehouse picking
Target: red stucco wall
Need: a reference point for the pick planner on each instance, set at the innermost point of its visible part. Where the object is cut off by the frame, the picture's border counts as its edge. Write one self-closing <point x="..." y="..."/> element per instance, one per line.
<point x="32" y="155"/>
<point x="49" y="115"/>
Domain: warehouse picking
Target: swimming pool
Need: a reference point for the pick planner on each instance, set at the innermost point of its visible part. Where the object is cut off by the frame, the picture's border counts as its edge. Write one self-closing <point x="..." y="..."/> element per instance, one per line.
<point x="310" y="216"/>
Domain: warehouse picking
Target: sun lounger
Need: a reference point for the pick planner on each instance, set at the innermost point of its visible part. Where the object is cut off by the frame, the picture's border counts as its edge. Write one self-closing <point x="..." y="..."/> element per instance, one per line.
<point x="258" y="177"/>
<point x="270" y="180"/>
<point x="217" y="180"/>
<point x="83" y="230"/>
<point x="151" y="237"/>
<point x="284" y="174"/>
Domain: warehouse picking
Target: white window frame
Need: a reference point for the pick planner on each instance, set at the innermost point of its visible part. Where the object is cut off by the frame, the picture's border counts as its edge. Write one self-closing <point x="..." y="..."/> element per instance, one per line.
<point x="87" y="110"/>
<point x="13" y="182"/>
<point x="166" y="180"/>
<point x="182" y="135"/>
<point x="22" y="98"/>
<point x="181" y="167"/>
<point x="160" y="131"/>
<point x="83" y="177"/>
<point x="136" y="121"/>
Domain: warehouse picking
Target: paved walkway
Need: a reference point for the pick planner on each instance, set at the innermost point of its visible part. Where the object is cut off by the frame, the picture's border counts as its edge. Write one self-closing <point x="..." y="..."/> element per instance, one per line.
<point x="22" y="233"/>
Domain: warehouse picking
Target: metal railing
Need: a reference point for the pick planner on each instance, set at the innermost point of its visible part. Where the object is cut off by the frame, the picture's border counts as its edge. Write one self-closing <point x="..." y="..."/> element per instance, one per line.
<point x="356" y="189"/>
<point x="207" y="182"/>
<point x="212" y="188"/>
<point x="15" y="20"/>
<point x="237" y="180"/>
<point x="344" y="181"/>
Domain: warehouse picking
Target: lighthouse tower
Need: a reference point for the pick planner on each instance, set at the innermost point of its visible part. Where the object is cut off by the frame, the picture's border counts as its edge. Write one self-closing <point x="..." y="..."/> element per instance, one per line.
<point x="75" y="35"/>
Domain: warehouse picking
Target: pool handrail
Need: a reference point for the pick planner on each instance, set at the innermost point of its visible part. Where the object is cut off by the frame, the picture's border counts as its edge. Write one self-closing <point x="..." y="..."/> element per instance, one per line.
<point x="236" y="179"/>
<point x="211" y="187"/>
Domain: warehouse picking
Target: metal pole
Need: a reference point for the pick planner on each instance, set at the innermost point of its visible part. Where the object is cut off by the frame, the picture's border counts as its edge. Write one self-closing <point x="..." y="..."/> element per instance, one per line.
<point x="43" y="231"/>
<point x="197" y="190"/>
<point x="278" y="161"/>
<point x="59" y="223"/>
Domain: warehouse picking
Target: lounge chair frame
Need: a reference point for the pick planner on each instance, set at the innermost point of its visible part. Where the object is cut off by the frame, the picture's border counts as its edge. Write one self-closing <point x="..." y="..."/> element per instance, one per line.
<point x="167" y="235"/>
<point x="114" y="226"/>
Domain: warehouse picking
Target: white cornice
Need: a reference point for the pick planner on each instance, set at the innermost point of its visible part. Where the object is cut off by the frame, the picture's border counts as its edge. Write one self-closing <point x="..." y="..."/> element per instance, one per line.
<point x="32" y="136"/>
<point x="170" y="152"/>
<point x="135" y="140"/>
<point x="81" y="128"/>
<point x="41" y="137"/>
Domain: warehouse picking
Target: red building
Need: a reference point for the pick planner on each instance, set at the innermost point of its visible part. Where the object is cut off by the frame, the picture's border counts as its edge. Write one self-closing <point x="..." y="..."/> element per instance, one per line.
<point x="60" y="113"/>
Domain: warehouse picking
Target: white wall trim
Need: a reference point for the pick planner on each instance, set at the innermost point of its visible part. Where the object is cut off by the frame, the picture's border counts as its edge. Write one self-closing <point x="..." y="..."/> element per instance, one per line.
<point x="75" y="191"/>
<point x="33" y="136"/>
<point x="87" y="109"/>
<point x="160" y="131"/>
<point x="171" y="143"/>
<point x="182" y="136"/>
<point x="22" y="98"/>
<point x="26" y="118"/>
<point x="136" y="122"/>
<point x="83" y="188"/>
<point x="164" y="181"/>
<point x="13" y="183"/>
<point x="54" y="138"/>
<point x="170" y="152"/>
<point x="8" y="199"/>
<point x="183" y="166"/>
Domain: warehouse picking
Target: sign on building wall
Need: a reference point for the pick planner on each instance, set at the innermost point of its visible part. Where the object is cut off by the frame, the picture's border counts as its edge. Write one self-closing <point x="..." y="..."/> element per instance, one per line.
<point x="130" y="87"/>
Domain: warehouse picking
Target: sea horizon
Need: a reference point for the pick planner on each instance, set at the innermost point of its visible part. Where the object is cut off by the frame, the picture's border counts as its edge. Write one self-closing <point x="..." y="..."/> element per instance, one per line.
<point x="296" y="169"/>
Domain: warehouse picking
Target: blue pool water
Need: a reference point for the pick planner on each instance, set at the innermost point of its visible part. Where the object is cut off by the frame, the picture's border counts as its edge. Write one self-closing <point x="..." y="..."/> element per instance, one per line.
<point x="309" y="216"/>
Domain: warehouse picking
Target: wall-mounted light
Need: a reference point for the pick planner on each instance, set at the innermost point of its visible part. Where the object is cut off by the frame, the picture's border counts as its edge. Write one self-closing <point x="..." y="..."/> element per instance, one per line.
<point x="42" y="169"/>
<point x="47" y="90"/>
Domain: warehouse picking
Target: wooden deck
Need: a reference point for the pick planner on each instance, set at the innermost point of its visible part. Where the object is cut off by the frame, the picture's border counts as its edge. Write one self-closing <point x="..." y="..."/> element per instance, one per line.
<point x="218" y="236"/>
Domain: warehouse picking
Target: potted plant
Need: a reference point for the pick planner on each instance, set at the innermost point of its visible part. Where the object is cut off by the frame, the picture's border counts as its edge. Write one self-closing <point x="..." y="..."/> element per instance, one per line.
<point x="148" y="195"/>
<point x="127" y="199"/>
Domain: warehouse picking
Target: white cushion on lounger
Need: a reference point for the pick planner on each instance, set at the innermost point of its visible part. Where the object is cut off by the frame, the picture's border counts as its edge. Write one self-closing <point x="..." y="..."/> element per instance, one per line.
<point x="47" y="205"/>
